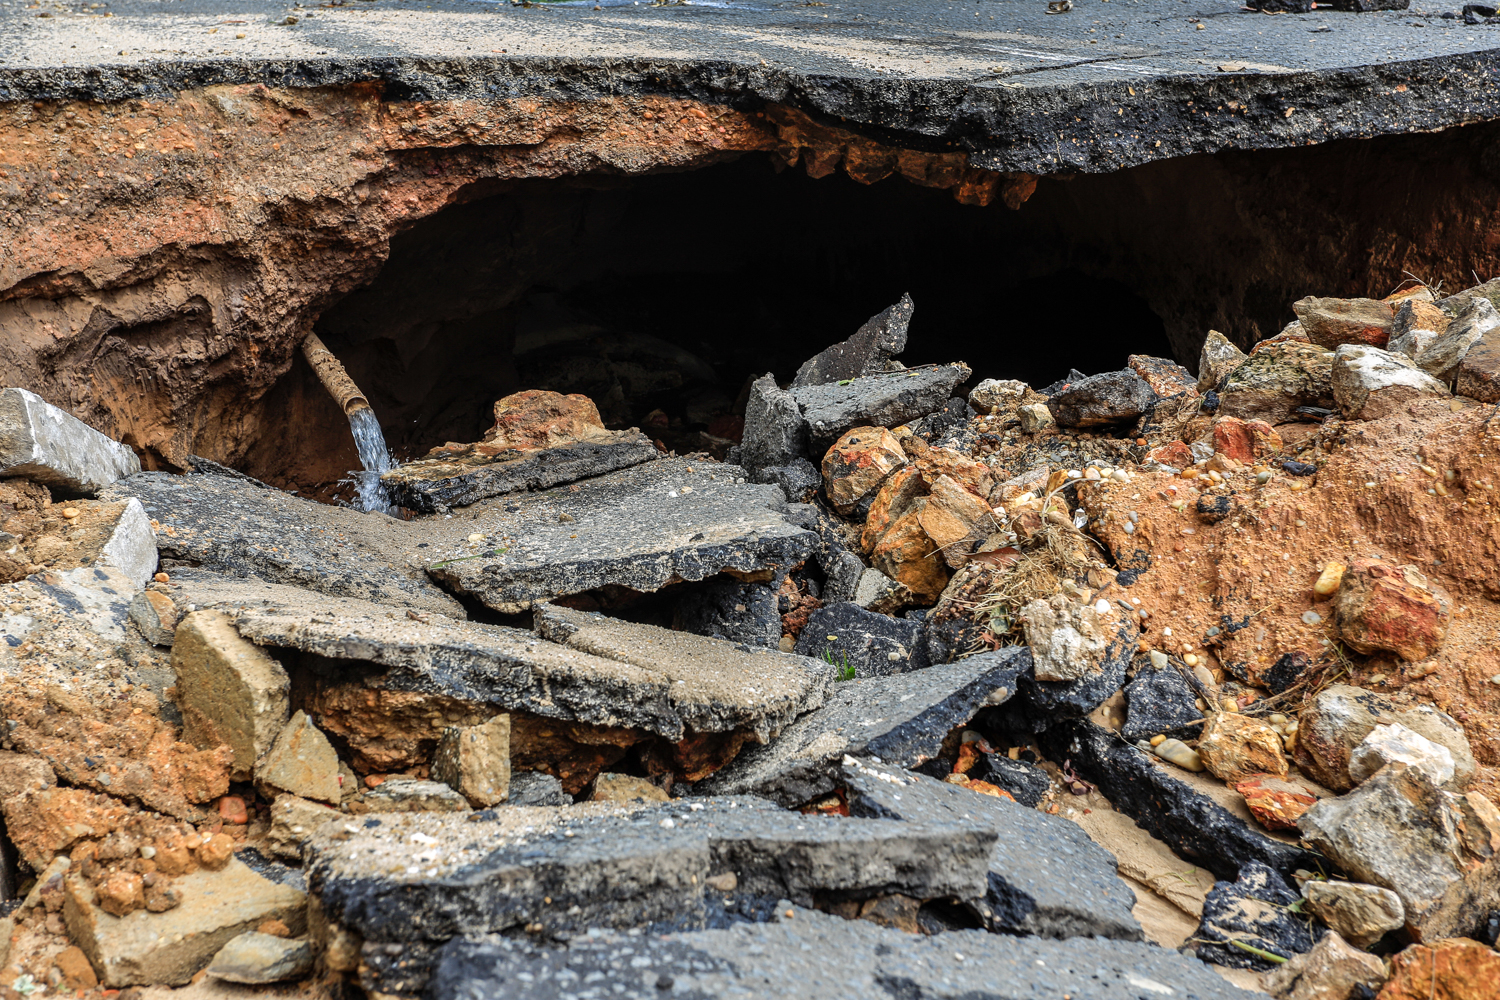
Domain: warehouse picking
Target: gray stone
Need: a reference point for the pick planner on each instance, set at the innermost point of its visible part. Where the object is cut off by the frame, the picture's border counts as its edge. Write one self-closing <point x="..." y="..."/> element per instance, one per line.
<point x="1394" y="743"/>
<point x="1369" y="383"/>
<point x="799" y="479"/>
<point x="861" y="643"/>
<point x="1360" y="914"/>
<point x="413" y="795"/>
<point x="1251" y="910"/>
<point x="228" y="689"/>
<point x="262" y="958"/>
<point x="293" y="819"/>
<point x="869" y="351"/>
<point x="533" y="788"/>
<point x="804" y="953"/>
<point x="1218" y="358"/>
<point x="1479" y="372"/>
<point x="1340" y="718"/>
<point x="405" y="884"/>
<point x="434" y="484"/>
<point x="51" y="446"/>
<point x="1101" y="400"/>
<point x="1442" y="356"/>
<point x="731" y="610"/>
<point x="775" y="433"/>
<point x="877" y="592"/>
<point x="156" y="616"/>
<point x="874" y="401"/>
<point x="232" y="525"/>
<point x="1046" y="877"/>
<point x="1455" y="303"/>
<point x="1275" y="380"/>
<point x="1158" y="701"/>
<point x="900" y="719"/>
<point x="1035" y="418"/>
<point x="641" y="528"/>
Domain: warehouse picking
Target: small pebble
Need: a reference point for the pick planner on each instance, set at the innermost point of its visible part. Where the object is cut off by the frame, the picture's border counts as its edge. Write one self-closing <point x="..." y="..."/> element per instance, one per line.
<point x="1158" y="740"/>
<point x="1158" y="659"/>
<point x="70" y="512"/>
<point x="1230" y="705"/>
<point x="476" y="537"/>
<point x="1329" y="580"/>
<point x="1205" y="677"/>
<point x="1191" y="659"/>
<point x="162" y="578"/>
<point x="1179" y="753"/>
<point x="148" y="852"/>
<point x="1311" y="617"/>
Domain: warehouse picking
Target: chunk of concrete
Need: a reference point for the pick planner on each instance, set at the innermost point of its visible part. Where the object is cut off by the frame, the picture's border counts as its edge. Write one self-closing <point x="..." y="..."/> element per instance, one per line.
<point x="869" y="352"/>
<point x="228" y="689"/>
<point x="408" y="883"/>
<point x="168" y="949"/>
<point x="293" y="819"/>
<point x="1479" y="372"/>
<point x="1046" y="877"/>
<point x="256" y="959"/>
<point x="475" y="761"/>
<point x="1360" y="914"/>
<point x="1393" y="743"/>
<point x="1080" y="653"/>
<point x="125" y="541"/>
<point x="241" y="528"/>
<point x="900" y="719"/>
<point x="301" y="761"/>
<point x="49" y="445"/>
<point x="804" y="953"/>
<point x="1331" y="970"/>
<point x="642" y="528"/>
<point x="1441" y="357"/>
<point x="860" y="643"/>
<point x="775" y="432"/>
<point x="412" y="795"/>
<point x="884" y="400"/>
<point x="155" y="614"/>
<point x="1275" y="380"/>
<point x="1369" y="383"/>
<point x="533" y="788"/>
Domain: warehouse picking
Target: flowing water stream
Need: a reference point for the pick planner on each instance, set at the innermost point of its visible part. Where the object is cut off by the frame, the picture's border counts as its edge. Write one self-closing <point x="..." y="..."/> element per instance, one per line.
<point x="374" y="456"/>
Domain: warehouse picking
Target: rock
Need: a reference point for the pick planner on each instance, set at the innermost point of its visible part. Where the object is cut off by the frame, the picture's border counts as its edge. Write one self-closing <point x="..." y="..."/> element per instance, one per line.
<point x="1481" y="825"/>
<point x="241" y="528"/>
<point x="1245" y="440"/>
<point x="804" y="953"/>
<point x="860" y="643"/>
<point x="475" y="761"/>
<point x="1384" y="606"/>
<point x="48" y="445"/>
<point x="1218" y="358"/>
<point x="879" y="593"/>
<point x="730" y="610"/>
<point x="610" y="787"/>
<point x="1174" y="454"/>
<point x="799" y="479"/>
<point x="998" y="395"/>
<point x="1159" y="701"/>
<point x="540" y="439"/>
<point x="906" y="554"/>
<point x="955" y="519"/>
<point x="257" y="958"/>
<point x="156" y="616"/>
<point x="1397" y="830"/>
<point x="1479" y="372"/>
<point x="293" y="819"/>
<point x="413" y="795"/>
<point x="857" y="464"/>
<point x="1164" y="376"/>
<point x="1101" y="400"/>
<point x="1166" y="803"/>
<point x="1369" y="383"/>
<point x="74" y="967"/>
<point x="1236" y="747"/>
<point x="1277" y="379"/>
<point x="1455" y="969"/>
<point x="1442" y="356"/>
<point x="775" y="432"/>
<point x="533" y="788"/>
<point x="884" y="400"/>
<point x="168" y="949"/>
<point x="1035" y="418"/>
<point x="841" y="567"/>
<point x="1276" y="803"/>
<point x="408" y="883"/>
<point x="21" y="773"/>
<point x="1080" y="651"/>
<point x="1394" y="743"/>
<point x="1250" y="910"/>
<point x="1046" y="877"/>
<point x="1339" y="719"/>
<point x="896" y="496"/>
<point x="1332" y="322"/>
<point x="121" y="893"/>
<point x="868" y="352"/>
<point x="1332" y="970"/>
<point x="1359" y="914"/>
<point x="301" y="761"/>
<point x="1174" y="751"/>
<point x="642" y="528"/>
<point x="229" y="690"/>
<point x="1417" y="324"/>
<point x="900" y="719"/>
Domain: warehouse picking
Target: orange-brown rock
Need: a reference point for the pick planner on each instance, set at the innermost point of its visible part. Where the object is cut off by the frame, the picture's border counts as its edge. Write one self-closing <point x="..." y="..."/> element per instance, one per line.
<point x="1275" y="802"/>
<point x="537" y="419"/>
<point x="73" y="965"/>
<point x="1173" y="453"/>
<point x="895" y="498"/>
<point x="955" y="520"/>
<point x="121" y="893"/>
<point x="932" y="462"/>
<point x="907" y="555"/>
<point x="1382" y="606"/>
<point x="1245" y="440"/>
<point x="1165" y="377"/>
<point x="858" y="463"/>
<point x="215" y="852"/>
<point x="1452" y="969"/>
<point x="1331" y="322"/>
<point x="42" y="823"/>
<point x="1236" y="747"/>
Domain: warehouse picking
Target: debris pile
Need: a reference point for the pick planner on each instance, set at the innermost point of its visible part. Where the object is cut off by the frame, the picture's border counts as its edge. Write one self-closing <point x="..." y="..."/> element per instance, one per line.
<point x="1140" y="683"/>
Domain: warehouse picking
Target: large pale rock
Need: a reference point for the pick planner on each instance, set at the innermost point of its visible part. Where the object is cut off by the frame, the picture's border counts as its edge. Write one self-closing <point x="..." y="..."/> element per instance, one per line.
<point x="1035" y="418"/>
<point x="1360" y="914"/>
<point x="1417" y="325"/>
<point x="229" y="690"/>
<point x="1236" y="747"/>
<point x="1332" y="970"/>
<point x="1164" y="376"/>
<point x="1384" y="606"/>
<point x="475" y="761"/>
<point x="301" y="761"/>
<point x="1369" y="383"/>
<point x="1393" y="743"/>
<point x="1341" y="716"/>
<point x="858" y="463"/>
<point x="1069" y="640"/>
<point x="168" y="949"/>
<point x="51" y="446"/>
<point x="1442" y="356"/>
<point x="868" y="352"/>
<point x="998" y="395"/>
<point x="1334" y="322"/>
<point x="1277" y="379"/>
<point x="1479" y="372"/>
<point x="1218" y="358"/>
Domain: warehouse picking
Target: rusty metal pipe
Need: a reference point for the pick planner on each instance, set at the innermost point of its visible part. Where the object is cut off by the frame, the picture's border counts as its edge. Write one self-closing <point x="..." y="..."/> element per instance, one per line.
<point x="331" y="373"/>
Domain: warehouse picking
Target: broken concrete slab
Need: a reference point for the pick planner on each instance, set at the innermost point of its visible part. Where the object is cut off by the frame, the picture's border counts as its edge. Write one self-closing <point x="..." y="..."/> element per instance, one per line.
<point x="641" y="528"/>
<point x="1251" y="910"/>
<point x="301" y="762"/>
<point x="235" y="526"/>
<point x="886" y="400"/>
<point x="1046" y="877"/>
<point x="411" y="795"/>
<point x="775" y="433"/>
<point x="1162" y="800"/>
<point x="804" y="953"/>
<point x="228" y="690"/>
<point x="51" y="446"/>
<point x="860" y="643"/>
<point x="870" y="351"/>
<point x="900" y="719"/>
<point x="169" y="948"/>
<point x="475" y="761"/>
<point x="730" y="610"/>
<point x="407" y="884"/>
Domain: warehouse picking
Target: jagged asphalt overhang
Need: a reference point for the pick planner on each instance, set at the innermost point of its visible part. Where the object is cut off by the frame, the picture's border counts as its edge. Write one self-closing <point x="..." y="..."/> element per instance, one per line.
<point x="1106" y="86"/>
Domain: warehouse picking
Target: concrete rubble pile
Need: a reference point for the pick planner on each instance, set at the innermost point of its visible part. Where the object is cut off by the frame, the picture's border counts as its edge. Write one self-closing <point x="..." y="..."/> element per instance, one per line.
<point x="1140" y="684"/>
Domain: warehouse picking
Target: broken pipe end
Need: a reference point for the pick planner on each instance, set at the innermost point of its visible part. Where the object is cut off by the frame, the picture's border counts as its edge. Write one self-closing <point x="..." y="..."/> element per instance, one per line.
<point x="331" y="373"/>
